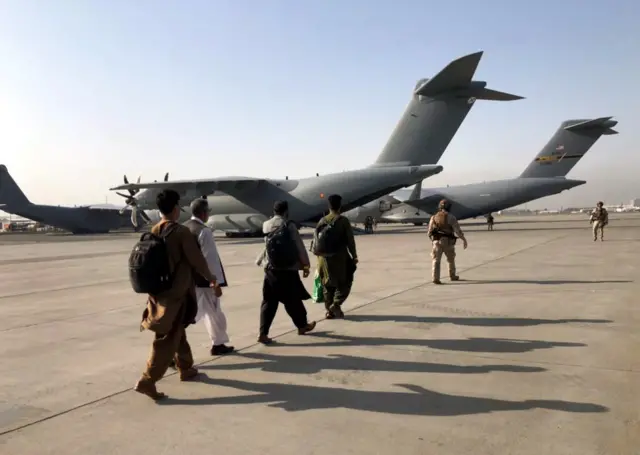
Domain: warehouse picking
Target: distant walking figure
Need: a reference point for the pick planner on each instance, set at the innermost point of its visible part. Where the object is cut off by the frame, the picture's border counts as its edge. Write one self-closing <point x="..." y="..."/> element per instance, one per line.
<point x="490" y="222"/>
<point x="599" y="218"/>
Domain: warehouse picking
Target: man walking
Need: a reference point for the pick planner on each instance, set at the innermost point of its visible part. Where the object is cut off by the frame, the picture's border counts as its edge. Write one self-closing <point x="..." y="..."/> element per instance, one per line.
<point x="490" y="222"/>
<point x="171" y="311"/>
<point x="209" y="305"/>
<point x="335" y="247"/>
<point x="443" y="229"/>
<point x="283" y="257"/>
<point x="599" y="218"/>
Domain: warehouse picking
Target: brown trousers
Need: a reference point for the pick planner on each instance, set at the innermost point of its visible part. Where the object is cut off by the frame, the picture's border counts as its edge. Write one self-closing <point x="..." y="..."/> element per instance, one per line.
<point x="167" y="347"/>
<point x="447" y="247"/>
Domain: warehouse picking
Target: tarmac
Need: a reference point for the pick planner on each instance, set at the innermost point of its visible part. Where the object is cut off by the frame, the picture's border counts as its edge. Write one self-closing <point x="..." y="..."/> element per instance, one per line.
<point x="534" y="352"/>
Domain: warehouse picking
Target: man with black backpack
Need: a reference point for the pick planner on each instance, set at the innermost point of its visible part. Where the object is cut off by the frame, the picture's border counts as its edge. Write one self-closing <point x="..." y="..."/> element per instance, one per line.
<point x="163" y="265"/>
<point x="335" y="247"/>
<point x="283" y="257"/>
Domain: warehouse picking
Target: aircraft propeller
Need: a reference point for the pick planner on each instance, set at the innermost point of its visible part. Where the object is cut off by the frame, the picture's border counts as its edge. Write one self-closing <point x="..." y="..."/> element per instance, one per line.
<point x="131" y="201"/>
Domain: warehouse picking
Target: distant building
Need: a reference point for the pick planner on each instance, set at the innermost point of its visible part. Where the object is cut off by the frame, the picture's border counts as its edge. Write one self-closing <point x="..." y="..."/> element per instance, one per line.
<point x="635" y="202"/>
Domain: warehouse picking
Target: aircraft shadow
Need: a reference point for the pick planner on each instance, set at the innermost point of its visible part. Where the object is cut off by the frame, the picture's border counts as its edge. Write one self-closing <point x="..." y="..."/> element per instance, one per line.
<point x="494" y="345"/>
<point x="291" y="364"/>
<point x="418" y="401"/>
<point x="473" y="322"/>
<point x="543" y="282"/>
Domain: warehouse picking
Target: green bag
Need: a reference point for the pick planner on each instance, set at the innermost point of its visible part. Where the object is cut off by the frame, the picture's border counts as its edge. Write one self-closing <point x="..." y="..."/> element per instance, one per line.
<point x="317" y="295"/>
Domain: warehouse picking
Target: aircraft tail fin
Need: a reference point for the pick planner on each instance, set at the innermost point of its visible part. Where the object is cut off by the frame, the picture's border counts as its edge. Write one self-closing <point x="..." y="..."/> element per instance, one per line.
<point x="571" y="141"/>
<point x="417" y="192"/>
<point x="437" y="108"/>
<point x="10" y="193"/>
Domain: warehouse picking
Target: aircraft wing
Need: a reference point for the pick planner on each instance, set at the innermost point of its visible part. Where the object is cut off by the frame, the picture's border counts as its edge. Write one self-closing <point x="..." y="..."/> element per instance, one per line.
<point x="202" y="186"/>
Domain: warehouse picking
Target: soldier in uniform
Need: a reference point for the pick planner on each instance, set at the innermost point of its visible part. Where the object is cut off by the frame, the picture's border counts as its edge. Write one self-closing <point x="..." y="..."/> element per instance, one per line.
<point x="443" y="230"/>
<point x="599" y="219"/>
<point x="490" y="222"/>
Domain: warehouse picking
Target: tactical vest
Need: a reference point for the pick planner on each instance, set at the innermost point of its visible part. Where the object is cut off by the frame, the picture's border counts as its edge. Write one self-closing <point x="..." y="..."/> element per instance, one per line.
<point x="196" y="228"/>
<point x="441" y="223"/>
<point x="599" y="214"/>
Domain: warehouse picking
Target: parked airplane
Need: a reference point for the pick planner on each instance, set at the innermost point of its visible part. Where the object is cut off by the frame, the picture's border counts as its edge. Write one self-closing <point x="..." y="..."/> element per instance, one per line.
<point x="437" y="109"/>
<point x="78" y="220"/>
<point x="376" y="208"/>
<point x="544" y="176"/>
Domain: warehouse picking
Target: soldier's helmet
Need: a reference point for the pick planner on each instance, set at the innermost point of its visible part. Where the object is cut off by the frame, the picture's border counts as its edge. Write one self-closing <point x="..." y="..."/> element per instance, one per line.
<point x="600" y="203"/>
<point x="444" y="205"/>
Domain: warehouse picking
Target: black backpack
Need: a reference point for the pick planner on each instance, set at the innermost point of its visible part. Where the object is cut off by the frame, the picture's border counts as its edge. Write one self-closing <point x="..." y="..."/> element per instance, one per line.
<point x="149" y="271"/>
<point x="282" y="251"/>
<point x="327" y="240"/>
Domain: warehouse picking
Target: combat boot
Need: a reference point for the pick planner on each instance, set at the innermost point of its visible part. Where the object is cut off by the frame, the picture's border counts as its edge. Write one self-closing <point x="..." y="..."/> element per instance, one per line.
<point x="455" y="278"/>
<point x="437" y="282"/>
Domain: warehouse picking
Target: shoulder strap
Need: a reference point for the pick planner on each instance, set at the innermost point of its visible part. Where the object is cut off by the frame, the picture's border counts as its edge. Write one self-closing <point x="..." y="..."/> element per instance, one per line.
<point x="168" y="230"/>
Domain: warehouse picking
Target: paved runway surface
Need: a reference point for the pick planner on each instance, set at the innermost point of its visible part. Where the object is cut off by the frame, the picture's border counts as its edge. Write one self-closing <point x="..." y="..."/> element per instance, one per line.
<point x="536" y="352"/>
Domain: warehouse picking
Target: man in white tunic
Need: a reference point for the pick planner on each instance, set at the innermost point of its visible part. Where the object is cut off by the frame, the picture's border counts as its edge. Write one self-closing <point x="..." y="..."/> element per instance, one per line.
<point x="209" y="307"/>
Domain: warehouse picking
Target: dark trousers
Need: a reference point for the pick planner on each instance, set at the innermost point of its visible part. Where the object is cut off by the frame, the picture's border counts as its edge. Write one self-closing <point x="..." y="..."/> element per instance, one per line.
<point x="335" y="295"/>
<point x="282" y="286"/>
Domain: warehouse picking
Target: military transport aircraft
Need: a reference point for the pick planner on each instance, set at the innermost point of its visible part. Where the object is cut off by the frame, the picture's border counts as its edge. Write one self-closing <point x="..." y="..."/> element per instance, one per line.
<point x="78" y="220"/>
<point x="378" y="207"/>
<point x="437" y="108"/>
<point x="544" y="176"/>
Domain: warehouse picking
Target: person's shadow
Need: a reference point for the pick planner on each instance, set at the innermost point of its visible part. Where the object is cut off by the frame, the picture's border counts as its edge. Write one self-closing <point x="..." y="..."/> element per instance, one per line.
<point x="417" y="401"/>
<point x="473" y="322"/>
<point x="500" y="345"/>
<point x="293" y="364"/>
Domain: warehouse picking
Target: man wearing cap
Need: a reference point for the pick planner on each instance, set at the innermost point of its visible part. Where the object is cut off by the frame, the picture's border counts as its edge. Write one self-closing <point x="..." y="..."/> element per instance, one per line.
<point x="443" y="230"/>
<point x="209" y="307"/>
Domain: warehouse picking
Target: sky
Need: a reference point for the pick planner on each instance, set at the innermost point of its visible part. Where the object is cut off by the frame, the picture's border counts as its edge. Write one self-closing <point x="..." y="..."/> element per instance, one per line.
<point x="94" y="89"/>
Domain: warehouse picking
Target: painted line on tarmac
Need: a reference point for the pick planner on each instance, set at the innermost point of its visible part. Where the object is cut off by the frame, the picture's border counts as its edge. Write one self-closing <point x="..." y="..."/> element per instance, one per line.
<point x="411" y="288"/>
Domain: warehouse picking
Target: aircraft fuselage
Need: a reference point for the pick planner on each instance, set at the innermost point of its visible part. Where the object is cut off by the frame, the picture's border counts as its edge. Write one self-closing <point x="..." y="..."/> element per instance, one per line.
<point x="307" y="197"/>
<point x="78" y="220"/>
<point x="477" y="199"/>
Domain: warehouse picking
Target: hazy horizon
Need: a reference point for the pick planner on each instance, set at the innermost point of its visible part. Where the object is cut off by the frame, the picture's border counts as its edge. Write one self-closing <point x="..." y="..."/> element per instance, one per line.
<point x="98" y="89"/>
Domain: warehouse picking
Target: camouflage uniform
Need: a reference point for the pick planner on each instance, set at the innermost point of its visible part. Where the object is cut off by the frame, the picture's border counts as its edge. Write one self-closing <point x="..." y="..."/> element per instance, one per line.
<point x="447" y="224"/>
<point x="599" y="218"/>
<point x="490" y="222"/>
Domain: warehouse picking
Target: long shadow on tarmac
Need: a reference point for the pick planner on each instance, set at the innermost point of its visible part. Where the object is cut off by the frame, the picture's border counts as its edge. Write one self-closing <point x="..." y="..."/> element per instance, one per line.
<point x="546" y="282"/>
<point x="499" y="345"/>
<point x="293" y="364"/>
<point x="474" y="322"/>
<point x="418" y="401"/>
